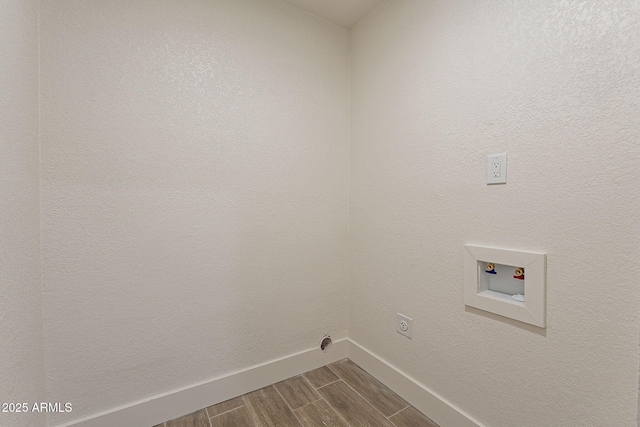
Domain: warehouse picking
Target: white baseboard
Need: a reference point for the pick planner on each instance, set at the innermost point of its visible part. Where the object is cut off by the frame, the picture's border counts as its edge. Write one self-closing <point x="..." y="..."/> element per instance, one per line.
<point x="167" y="406"/>
<point x="441" y="411"/>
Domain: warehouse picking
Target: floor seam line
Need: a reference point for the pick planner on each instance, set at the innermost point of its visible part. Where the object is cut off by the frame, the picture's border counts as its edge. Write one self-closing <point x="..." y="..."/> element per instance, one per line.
<point x="334" y="409"/>
<point x="366" y="400"/>
<point x="310" y="385"/>
<point x="334" y="372"/>
<point x="250" y="409"/>
<point x="288" y="406"/>
<point x="332" y="382"/>
<point x="230" y="410"/>
<point x="225" y="412"/>
<point x="393" y="415"/>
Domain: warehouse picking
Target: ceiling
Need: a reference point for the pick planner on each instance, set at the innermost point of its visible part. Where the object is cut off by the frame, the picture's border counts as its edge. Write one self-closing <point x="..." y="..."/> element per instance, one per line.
<point x="345" y="13"/>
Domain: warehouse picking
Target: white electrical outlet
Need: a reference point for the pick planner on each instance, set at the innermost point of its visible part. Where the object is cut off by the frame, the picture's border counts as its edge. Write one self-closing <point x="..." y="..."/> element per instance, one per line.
<point x="497" y="169"/>
<point x="404" y="325"/>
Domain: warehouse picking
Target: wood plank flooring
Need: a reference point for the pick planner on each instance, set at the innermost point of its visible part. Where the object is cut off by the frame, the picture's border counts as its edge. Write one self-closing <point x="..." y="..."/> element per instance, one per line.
<point x="337" y="395"/>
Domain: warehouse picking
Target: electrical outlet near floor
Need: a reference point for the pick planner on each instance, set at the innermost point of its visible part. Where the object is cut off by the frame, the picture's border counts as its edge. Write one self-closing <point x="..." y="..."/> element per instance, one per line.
<point x="404" y="325"/>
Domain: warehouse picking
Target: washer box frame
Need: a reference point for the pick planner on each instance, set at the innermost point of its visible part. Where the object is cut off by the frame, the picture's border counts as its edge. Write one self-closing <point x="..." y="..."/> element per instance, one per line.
<point x="533" y="309"/>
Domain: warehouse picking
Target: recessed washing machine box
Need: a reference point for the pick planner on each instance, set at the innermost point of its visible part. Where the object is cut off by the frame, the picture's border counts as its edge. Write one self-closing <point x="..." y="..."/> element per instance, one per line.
<point x="506" y="282"/>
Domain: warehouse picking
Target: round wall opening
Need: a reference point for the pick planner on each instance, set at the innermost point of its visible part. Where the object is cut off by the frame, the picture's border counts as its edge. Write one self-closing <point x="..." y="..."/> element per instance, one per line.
<point x="326" y="343"/>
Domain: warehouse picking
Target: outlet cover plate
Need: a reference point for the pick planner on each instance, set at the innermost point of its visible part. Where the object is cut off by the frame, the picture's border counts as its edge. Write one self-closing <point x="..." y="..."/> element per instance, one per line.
<point x="404" y="325"/>
<point x="497" y="169"/>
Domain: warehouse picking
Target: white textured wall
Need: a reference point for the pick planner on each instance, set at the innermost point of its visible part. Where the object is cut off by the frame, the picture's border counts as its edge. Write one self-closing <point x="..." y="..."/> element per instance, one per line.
<point x="436" y="87"/>
<point x="21" y="354"/>
<point x="195" y="167"/>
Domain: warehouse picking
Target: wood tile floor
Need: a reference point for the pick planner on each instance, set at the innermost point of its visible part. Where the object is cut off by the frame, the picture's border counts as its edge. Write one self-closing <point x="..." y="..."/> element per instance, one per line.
<point x="337" y="395"/>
